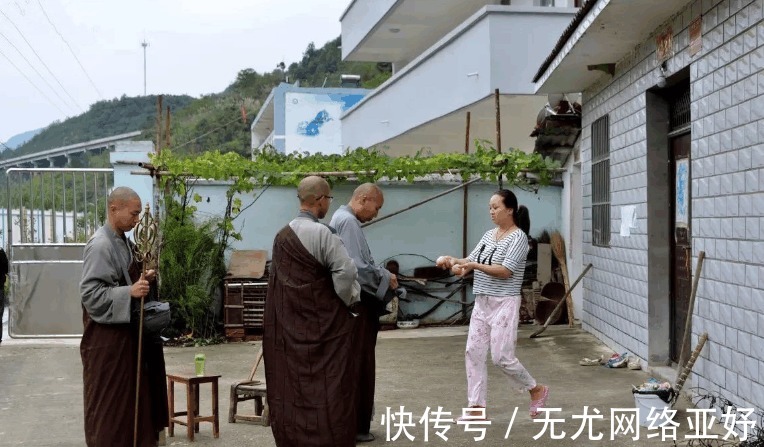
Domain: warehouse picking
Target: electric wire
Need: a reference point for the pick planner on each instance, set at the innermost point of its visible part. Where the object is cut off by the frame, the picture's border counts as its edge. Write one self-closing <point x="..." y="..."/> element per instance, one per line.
<point x="70" y="49"/>
<point x="206" y="133"/>
<point x="53" y="89"/>
<point x="33" y="84"/>
<point x="40" y="59"/>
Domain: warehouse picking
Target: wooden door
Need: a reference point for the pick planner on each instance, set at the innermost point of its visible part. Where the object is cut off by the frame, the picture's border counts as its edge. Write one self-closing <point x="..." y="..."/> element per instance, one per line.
<point x="681" y="263"/>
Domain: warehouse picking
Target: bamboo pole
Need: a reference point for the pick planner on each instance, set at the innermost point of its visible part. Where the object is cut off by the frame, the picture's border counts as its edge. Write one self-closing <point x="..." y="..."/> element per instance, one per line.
<point x="691" y="307"/>
<point x="422" y="202"/>
<point x="167" y="129"/>
<point x="158" y="140"/>
<point x="498" y="127"/>
<point x="465" y="201"/>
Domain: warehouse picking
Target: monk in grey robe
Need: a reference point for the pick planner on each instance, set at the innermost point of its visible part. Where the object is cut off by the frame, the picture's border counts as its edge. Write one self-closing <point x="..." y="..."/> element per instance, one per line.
<point x="308" y="345"/>
<point x="111" y="288"/>
<point x="378" y="286"/>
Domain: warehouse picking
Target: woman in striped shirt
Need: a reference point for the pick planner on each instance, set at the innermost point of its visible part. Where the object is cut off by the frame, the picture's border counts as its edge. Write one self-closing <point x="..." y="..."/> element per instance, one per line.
<point x="498" y="263"/>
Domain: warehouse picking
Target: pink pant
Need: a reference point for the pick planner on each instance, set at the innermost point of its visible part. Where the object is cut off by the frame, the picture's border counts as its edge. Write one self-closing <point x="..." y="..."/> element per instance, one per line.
<point x="494" y="323"/>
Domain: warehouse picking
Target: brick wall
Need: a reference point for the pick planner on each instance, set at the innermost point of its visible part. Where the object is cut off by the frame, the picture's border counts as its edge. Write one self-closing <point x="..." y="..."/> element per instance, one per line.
<point x="727" y="89"/>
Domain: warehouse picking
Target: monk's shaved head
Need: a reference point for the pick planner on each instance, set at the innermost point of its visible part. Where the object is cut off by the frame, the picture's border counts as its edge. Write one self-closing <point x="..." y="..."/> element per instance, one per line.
<point x="366" y="202"/>
<point x="122" y="194"/>
<point x="311" y="188"/>
<point x="367" y="189"/>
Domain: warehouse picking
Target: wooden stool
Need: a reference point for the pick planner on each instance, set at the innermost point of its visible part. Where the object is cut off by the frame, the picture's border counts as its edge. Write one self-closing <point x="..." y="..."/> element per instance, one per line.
<point x="249" y="390"/>
<point x="192" y="419"/>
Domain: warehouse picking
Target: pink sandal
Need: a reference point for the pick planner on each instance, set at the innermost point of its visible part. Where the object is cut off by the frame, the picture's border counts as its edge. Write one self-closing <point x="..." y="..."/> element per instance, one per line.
<point x="539" y="403"/>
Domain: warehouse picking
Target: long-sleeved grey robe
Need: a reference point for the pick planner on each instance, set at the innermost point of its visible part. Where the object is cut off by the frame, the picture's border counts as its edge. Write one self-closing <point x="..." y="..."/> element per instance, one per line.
<point x="328" y="250"/>
<point x="374" y="279"/>
<point x="109" y="350"/>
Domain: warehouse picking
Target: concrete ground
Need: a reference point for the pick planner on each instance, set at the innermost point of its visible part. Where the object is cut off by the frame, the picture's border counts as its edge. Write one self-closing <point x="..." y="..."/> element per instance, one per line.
<point x="41" y="390"/>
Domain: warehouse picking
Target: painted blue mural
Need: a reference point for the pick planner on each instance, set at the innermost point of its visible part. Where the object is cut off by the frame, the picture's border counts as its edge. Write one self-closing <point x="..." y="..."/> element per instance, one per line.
<point x="312" y="120"/>
<point x="312" y="128"/>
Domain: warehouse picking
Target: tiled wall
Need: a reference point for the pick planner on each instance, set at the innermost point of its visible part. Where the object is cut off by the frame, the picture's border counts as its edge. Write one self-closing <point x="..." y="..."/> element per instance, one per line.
<point x="727" y="85"/>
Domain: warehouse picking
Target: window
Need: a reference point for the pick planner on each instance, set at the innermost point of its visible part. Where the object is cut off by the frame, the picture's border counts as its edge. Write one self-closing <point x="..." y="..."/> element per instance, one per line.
<point x="601" y="182"/>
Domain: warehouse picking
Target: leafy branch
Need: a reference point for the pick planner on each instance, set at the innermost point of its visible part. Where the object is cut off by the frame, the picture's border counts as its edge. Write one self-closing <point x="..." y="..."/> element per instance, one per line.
<point x="273" y="168"/>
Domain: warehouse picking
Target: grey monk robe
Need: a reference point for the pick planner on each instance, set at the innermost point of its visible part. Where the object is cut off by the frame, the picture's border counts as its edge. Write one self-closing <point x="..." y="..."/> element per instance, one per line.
<point x="109" y="350"/>
<point x="307" y="341"/>
<point x="374" y="279"/>
<point x="375" y="292"/>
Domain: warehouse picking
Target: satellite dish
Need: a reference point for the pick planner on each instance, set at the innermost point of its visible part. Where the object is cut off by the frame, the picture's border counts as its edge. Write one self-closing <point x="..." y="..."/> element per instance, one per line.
<point x="554" y="99"/>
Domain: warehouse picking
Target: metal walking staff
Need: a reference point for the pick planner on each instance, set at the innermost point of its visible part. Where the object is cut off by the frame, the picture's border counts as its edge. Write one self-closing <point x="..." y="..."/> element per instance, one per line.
<point x="145" y="234"/>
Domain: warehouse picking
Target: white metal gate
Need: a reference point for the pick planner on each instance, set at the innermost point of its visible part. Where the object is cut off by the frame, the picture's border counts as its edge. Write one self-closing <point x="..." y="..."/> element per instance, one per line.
<point x="50" y="214"/>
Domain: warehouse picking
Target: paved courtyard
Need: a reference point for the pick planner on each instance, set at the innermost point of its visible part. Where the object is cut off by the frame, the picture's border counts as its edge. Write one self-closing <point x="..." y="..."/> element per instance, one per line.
<point x="41" y="391"/>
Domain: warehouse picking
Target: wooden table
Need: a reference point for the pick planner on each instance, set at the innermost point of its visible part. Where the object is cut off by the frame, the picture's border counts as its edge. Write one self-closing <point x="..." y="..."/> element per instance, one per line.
<point x="192" y="417"/>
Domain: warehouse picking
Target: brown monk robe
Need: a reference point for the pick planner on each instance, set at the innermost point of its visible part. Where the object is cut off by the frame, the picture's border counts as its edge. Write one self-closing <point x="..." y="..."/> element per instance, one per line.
<point x="109" y="346"/>
<point x="308" y="351"/>
<point x="109" y="355"/>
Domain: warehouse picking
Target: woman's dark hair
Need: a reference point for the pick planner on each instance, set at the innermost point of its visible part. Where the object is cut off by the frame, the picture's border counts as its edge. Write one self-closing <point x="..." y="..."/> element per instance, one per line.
<point x="521" y="216"/>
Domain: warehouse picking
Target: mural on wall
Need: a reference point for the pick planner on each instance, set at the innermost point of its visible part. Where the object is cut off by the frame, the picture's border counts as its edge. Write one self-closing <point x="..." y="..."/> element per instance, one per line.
<point x="312" y="121"/>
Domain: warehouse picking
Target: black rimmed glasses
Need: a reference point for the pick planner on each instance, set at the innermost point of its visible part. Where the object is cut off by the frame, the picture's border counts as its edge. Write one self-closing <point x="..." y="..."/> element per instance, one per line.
<point x="328" y="197"/>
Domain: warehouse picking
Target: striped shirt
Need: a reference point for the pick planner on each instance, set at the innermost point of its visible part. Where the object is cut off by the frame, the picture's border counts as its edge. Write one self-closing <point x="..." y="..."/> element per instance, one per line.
<point x="510" y="252"/>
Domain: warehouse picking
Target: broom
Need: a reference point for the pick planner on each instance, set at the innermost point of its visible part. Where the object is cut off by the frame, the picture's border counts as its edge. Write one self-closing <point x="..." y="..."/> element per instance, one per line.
<point x="558" y="248"/>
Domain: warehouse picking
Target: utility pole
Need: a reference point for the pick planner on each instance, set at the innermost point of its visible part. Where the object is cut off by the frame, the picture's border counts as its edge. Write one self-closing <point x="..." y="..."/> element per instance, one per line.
<point x="144" y="44"/>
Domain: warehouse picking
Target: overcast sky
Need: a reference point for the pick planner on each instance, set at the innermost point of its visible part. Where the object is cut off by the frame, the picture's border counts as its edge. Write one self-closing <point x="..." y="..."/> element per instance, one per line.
<point x="195" y="47"/>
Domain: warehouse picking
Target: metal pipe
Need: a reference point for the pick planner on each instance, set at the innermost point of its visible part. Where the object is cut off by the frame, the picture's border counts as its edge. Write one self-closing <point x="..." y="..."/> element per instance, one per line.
<point x="74" y="207"/>
<point x="9" y="217"/>
<point x="64" y="204"/>
<point x="85" y="217"/>
<point x="42" y="207"/>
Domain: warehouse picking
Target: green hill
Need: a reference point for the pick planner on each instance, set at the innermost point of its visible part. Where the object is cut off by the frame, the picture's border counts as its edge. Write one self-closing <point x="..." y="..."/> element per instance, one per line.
<point x="103" y="119"/>
<point x="212" y="122"/>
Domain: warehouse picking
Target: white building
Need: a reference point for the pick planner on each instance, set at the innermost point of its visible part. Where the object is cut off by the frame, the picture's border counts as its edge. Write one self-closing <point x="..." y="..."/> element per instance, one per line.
<point x="672" y="164"/>
<point x="303" y="119"/>
<point x="449" y="57"/>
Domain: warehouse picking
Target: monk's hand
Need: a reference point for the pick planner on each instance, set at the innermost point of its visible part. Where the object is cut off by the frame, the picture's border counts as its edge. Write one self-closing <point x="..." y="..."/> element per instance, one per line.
<point x="140" y="288"/>
<point x="393" y="281"/>
<point x="445" y="262"/>
<point x="150" y="275"/>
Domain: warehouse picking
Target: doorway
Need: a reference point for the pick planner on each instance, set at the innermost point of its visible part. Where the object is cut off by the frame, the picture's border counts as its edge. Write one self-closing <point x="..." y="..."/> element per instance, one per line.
<point x="680" y="140"/>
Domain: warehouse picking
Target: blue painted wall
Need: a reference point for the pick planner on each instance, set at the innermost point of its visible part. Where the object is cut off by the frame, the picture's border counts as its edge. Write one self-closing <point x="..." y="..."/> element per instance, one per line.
<point x="425" y="232"/>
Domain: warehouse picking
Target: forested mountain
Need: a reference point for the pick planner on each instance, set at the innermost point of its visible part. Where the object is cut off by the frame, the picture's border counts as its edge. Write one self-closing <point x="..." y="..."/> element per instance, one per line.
<point x="212" y="122"/>
<point x="215" y="121"/>
<point x="17" y="140"/>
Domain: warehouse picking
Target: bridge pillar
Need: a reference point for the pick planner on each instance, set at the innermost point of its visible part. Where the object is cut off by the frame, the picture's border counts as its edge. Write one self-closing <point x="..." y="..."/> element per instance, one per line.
<point x="59" y="161"/>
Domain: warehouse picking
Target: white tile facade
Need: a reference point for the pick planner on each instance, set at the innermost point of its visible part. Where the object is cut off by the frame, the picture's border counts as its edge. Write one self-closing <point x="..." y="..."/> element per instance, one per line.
<point x="727" y="153"/>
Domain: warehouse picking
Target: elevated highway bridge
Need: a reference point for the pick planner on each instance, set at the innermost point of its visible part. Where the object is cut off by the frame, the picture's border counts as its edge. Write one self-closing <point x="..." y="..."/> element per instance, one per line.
<point x="61" y="156"/>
